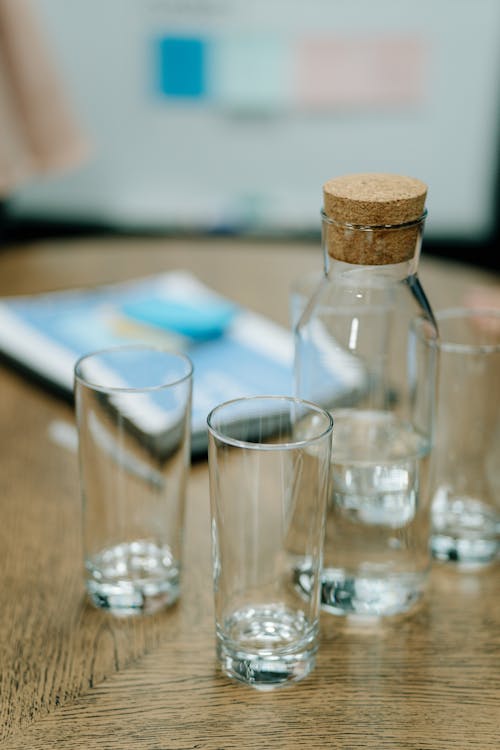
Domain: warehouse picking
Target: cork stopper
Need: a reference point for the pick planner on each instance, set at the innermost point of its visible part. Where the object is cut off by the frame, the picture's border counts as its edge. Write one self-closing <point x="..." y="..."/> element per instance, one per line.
<point x="366" y="213"/>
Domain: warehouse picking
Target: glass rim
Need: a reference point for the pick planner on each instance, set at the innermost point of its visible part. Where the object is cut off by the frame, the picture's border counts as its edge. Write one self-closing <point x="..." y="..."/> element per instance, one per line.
<point x="271" y="446"/>
<point x="97" y="386"/>
<point x="374" y="227"/>
<point x="455" y="313"/>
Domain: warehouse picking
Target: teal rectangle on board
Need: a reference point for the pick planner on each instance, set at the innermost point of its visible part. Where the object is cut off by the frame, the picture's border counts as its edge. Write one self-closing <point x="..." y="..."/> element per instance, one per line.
<point x="181" y="67"/>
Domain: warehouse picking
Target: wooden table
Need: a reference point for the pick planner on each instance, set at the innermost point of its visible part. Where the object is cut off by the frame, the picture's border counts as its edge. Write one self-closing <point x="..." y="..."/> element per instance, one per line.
<point x="72" y="677"/>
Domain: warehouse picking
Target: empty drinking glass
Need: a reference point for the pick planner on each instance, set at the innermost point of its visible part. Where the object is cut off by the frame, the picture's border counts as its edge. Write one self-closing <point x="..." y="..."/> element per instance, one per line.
<point x="465" y="463"/>
<point x="269" y="461"/>
<point x="133" y="408"/>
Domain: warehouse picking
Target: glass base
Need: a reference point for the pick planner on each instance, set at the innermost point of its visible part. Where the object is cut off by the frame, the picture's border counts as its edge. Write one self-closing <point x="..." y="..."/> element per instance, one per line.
<point x="466" y="531"/>
<point x="133" y="578"/>
<point x="469" y="552"/>
<point x="369" y="596"/>
<point x="266" y="647"/>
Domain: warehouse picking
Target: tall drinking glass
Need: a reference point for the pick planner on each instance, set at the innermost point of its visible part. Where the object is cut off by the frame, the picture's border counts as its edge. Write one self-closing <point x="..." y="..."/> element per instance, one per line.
<point x="133" y="408"/>
<point x="465" y="463"/>
<point x="269" y="461"/>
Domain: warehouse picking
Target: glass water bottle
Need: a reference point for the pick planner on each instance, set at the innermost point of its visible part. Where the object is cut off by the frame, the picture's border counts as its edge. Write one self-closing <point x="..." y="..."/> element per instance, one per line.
<point x="357" y="354"/>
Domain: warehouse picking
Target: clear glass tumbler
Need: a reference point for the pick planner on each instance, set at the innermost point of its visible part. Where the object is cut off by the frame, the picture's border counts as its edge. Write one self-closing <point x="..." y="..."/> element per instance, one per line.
<point x="133" y="407"/>
<point x="465" y="464"/>
<point x="269" y="461"/>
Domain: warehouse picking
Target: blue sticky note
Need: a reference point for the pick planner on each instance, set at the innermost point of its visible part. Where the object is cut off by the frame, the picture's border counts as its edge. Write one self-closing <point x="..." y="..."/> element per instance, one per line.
<point x="182" y="67"/>
<point x="203" y="321"/>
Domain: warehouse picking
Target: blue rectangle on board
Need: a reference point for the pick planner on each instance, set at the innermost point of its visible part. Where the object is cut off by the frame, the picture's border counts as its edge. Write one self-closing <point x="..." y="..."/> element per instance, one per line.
<point x="182" y="67"/>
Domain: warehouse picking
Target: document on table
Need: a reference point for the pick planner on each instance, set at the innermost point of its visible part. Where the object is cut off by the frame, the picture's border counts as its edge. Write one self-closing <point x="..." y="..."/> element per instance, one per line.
<point x="235" y="352"/>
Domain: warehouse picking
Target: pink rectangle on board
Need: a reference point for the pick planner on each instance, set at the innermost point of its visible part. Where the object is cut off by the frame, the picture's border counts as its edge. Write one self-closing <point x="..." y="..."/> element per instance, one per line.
<point x="358" y="71"/>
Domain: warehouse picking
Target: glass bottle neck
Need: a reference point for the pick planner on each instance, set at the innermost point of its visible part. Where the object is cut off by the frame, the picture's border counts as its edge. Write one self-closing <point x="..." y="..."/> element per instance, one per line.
<point x="395" y="248"/>
<point x="390" y="271"/>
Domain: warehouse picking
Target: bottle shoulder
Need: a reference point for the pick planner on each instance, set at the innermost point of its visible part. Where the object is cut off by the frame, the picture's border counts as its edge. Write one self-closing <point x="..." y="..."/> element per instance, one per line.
<point x="364" y="292"/>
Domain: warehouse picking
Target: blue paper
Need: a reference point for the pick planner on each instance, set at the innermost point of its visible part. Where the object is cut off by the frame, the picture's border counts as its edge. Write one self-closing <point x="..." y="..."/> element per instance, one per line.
<point x="200" y="322"/>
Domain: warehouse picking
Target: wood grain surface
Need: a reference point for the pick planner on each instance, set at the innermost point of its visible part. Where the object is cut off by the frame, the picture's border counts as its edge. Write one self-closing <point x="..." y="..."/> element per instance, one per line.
<point x="73" y="677"/>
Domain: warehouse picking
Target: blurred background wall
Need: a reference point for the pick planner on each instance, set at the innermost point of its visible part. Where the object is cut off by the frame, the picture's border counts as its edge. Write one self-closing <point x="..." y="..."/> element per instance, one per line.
<point x="227" y="116"/>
